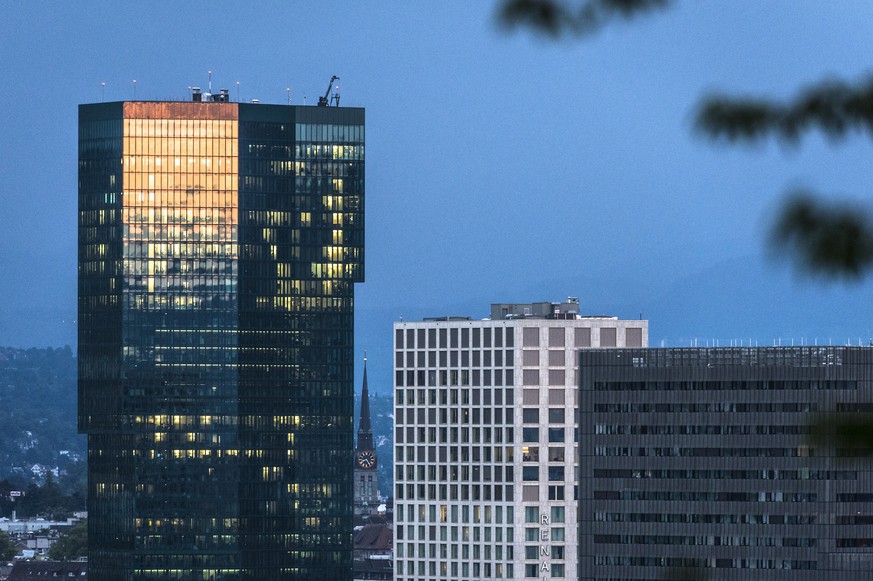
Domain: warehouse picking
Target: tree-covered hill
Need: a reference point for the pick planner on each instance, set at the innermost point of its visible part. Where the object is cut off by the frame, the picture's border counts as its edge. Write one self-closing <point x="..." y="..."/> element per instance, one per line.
<point x="38" y="414"/>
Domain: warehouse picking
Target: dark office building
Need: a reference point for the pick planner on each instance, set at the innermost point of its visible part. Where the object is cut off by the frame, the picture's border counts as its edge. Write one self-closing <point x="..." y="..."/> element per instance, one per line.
<point x="700" y="461"/>
<point x="219" y="244"/>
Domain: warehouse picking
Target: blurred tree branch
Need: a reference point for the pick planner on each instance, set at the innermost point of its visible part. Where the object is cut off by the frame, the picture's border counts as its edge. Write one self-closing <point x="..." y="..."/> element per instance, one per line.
<point x="692" y="573"/>
<point x="827" y="238"/>
<point x="833" y="107"/>
<point x="848" y="432"/>
<point x="557" y="17"/>
<point x="832" y="238"/>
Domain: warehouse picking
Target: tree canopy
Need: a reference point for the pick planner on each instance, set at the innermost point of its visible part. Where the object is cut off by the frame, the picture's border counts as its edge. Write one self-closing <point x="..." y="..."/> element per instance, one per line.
<point x="7" y="548"/>
<point x="72" y="545"/>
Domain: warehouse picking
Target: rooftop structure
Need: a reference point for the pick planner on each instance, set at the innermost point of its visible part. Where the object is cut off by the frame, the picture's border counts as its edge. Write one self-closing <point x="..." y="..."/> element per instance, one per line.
<point x="542" y="310"/>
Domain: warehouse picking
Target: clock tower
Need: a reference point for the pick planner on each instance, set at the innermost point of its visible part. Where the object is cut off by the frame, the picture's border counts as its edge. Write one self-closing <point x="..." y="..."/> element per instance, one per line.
<point x="366" y="479"/>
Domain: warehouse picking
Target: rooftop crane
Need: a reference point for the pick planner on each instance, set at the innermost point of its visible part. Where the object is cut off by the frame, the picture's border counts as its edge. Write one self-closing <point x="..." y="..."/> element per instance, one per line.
<point x="323" y="101"/>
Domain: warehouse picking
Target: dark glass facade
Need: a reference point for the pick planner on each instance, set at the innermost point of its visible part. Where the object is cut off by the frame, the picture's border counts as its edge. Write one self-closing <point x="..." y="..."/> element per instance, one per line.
<point x="219" y="244"/>
<point x="698" y="463"/>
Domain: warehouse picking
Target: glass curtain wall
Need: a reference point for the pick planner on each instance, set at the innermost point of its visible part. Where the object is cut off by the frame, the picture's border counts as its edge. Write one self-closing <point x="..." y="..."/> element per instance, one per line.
<point x="301" y="251"/>
<point x="219" y="244"/>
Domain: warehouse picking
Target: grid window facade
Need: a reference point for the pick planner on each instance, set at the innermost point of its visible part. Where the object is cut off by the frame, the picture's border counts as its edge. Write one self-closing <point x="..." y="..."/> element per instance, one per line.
<point x="701" y="459"/>
<point x="484" y="446"/>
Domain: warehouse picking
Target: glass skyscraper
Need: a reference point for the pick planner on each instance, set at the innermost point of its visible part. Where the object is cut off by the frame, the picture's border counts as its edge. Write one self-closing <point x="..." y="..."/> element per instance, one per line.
<point x="219" y="244"/>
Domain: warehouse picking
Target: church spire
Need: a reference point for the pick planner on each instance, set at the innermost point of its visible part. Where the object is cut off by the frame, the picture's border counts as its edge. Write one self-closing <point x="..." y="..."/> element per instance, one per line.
<point x="365" y="435"/>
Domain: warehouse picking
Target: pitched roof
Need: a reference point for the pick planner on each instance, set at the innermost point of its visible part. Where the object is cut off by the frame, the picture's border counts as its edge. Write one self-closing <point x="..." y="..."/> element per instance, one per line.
<point x="374" y="537"/>
<point x="39" y="570"/>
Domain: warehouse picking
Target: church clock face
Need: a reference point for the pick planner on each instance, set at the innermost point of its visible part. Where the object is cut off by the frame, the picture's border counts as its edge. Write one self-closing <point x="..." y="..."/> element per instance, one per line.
<point x="366" y="459"/>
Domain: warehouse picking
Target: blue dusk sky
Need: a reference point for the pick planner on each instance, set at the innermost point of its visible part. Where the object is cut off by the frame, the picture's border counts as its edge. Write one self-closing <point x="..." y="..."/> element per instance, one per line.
<point x="501" y="167"/>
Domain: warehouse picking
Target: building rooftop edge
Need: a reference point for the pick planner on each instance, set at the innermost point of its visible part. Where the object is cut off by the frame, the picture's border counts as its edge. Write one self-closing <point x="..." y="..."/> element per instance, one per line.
<point x="466" y="319"/>
<point x="255" y="102"/>
<point x="566" y="310"/>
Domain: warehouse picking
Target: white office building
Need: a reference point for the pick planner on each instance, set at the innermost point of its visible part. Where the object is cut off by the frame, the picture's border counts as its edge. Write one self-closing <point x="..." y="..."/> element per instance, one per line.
<point x="486" y="440"/>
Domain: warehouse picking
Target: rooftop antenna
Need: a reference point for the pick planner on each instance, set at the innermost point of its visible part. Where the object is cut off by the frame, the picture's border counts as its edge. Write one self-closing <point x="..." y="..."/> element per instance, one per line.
<point x="103" y="91"/>
<point x="288" y="89"/>
<point x="134" y="89"/>
<point x="237" y="91"/>
<point x="210" y="82"/>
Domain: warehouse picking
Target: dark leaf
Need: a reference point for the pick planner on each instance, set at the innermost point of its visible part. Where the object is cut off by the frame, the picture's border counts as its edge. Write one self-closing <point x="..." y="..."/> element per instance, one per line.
<point x="835" y="108"/>
<point x="826" y="238"/>
<point x="849" y="434"/>
<point x="556" y="17"/>
<point x="722" y="118"/>
<point x="691" y="573"/>
<point x="542" y="15"/>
